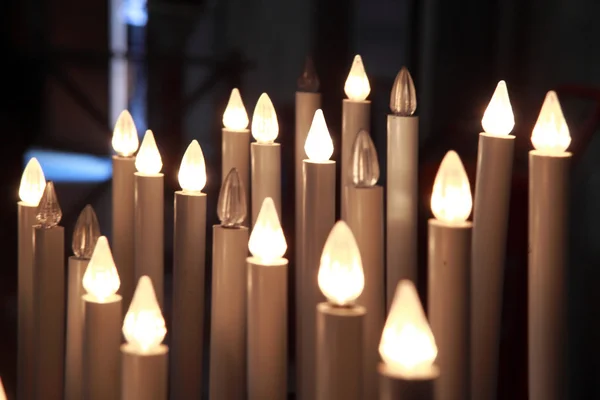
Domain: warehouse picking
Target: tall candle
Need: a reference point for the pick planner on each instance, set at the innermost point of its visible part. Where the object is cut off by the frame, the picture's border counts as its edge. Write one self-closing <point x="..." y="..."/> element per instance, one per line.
<point x="490" y="224"/>
<point x="318" y="213"/>
<point x="189" y="257"/>
<point x="31" y="189"/>
<point x="149" y="215"/>
<point x="356" y="115"/>
<point x="125" y="142"/>
<point x="402" y="191"/>
<point x="549" y="168"/>
<point x="449" y="260"/>
<point x="340" y="322"/>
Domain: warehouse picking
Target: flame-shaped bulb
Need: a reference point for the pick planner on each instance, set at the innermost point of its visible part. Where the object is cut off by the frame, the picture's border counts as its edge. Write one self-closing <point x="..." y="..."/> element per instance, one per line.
<point x="144" y="326"/>
<point x="148" y="160"/>
<point x="86" y="233"/>
<point x="49" y="213"/>
<point x="309" y="80"/>
<point x="231" y="206"/>
<point x="264" y="121"/>
<point x="101" y="279"/>
<point x="192" y="172"/>
<point x="365" y="164"/>
<point x="235" y="117"/>
<point x="318" y="145"/>
<point x="551" y="133"/>
<point x="451" y="200"/>
<point x="125" y="137"/>
<point x="33" y="183"/>
<point x="403" y="99"/>
<point x="498" y="119"/>
<point x="357" y="86"/>
<point x="267" y="242"/>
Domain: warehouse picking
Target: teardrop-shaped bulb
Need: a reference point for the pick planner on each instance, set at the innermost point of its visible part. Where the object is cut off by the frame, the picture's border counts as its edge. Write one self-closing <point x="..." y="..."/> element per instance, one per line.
<point x="148" y="160"/>
<point x="451" y="200"/>
<point x="267" y="242"/>
<point x="265" y="127"/>
<point x="551" y="133"/>
<point x="365" y="164"/>
<point x="231" y="207"/>
<point x="357" y="85"/>
<point x="318" y="145"/>
<point x="309" y="80"/>
<point x="403" y="99"/>
<point x="101" y="278"/>
<point x="498" y="118"/>
<point x="192" y="172"/>
<point x="235" y="117"/>
<point x="49" y="212"/>
<point x="86" y="233"/>
<point x="125" y="137"/>
<point x="33" y="183"/>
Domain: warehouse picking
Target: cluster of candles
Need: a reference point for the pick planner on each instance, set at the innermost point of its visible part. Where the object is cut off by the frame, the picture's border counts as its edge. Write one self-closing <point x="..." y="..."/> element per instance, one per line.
<point x="341" y="341"/>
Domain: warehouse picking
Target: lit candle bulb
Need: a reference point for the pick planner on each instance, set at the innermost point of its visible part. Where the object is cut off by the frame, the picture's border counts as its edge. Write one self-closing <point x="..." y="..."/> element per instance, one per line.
<point x="451" y="200"/>
<point x="33" y="183"/>
<point x="498" y="118"/>
<point x="125" y="140"/>
<point x="235" y="117"/>
<point x="357" y="85"/>
<point x="101" y="279"/>
<point x="192" y="172"/>
<point x="49" y="213"/>
<point x="267" y="242"/>
<point x="2" y="392"/>
<point x="403" y="98"/>
<point x="231" y="206"/>
<point x="318" y="145"/>
<point x="551" y="134"/>
<point x="148" y="160"/>
<point x="365" y="164"/>
<point x="85" y="233"/>
<point x="264" y="121"/>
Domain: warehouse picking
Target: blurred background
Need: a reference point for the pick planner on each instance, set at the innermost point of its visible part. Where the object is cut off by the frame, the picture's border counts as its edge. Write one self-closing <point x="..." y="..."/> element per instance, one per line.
<point x="69" y="67"/>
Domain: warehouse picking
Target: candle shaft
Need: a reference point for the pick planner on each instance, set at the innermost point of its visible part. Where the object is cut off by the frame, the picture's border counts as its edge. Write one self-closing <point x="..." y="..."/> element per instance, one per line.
<point x="266" y="176"/>
<point x="393" y="387"/>
<point x="228" y="316"/>
<point x="236" y="154"/>
<point x="144" y="376"/>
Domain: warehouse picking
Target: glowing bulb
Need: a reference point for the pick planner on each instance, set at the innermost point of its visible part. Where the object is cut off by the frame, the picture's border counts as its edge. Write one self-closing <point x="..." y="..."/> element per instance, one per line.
<point x="264" y="121"/>
<point x="144" y="326"/>
<point x="33" y="183"/>
<point x="403" y="99"/>
<point x="267" y="241"/>
<point x="148" y="159"/>
<point x="125" y="137"/>
<point x="231" y="206"/>
<point x="101" y="278"/>
<point x="308" y="81"/>
<point x="498" y="118"/>
<point x="2" y="392"/>
<point x="86" y="233"/>
<point x="341" y="277"/>
<point x="357" y="86"/>
<point x="551" y="133"/>
<point x="365" y="165"/>
<point x="49" y="213"/>
<point x="192" y="172"/>
<point x="407" y="344"/>
<point x="318" y="145"/>
<point x="451" y="200"/>
<point x="235" y="117"/>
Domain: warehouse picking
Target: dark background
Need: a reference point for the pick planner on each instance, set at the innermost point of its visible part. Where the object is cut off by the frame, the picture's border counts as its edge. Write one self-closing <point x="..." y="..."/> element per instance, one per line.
<point x="186" y="59"/>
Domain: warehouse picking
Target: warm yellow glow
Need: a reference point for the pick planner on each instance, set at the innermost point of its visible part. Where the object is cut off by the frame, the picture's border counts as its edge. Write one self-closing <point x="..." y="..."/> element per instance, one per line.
<point x="341" y="277"/>
<point x="33" y="183"/>
<point x="125" y="137"/>
<point x="148" y="160"/>
<point x="101" y="278"/>
<point x="144" y="326"/>
<point x="192" y="172"/>
<point x="267" y="242"/>
<point x="407" y="344"/>
<point x="498" y="118"/>
<point x="551" y="133"/>
<point x="357" y="86"/>
<point x="2" y="392"/>
<point x="451" y="200"/>
<point x="264" y="121"/>
<point x="235" y="117"/>
<point x="318" y="145"/>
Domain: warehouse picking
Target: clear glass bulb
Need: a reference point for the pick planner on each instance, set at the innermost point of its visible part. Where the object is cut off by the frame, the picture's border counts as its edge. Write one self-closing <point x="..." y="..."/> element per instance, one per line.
<point x="101" y="279"/>
<point x="86" y="233"/>
<point x="192" y="172"/>
<point x="264" y="121"/>
<point x="407" y="344"/>
<point x="341" y="277"/>
<point x="309" y="80"/>
<point x="125" y="137"/>
<point x="451" y="200"/>
<point x="235" y="117"/>
<point x="403" y="99"/>
<point x="33" y="183"/>
<point x="267" y="242"/>
<point x="365" y="164"/>
<point x="318" y="145"/>
<point x="231" y="207"/>
<point x="551" y="133"/>
<point x="144" y="326"/>
<point x="498" y="118"/>
<point x="357" y="86"/>
<point x="148" y="160"/>
<point x="49" y="213"/>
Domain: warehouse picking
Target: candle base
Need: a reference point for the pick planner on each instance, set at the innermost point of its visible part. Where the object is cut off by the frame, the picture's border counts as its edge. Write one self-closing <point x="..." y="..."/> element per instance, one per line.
<point x="236" y="154"/>
<point x="266" y="176"/>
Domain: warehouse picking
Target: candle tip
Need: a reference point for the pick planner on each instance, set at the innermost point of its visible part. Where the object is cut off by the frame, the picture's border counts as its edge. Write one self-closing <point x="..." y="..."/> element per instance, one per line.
<point x="235" y="116"/>
<point x="33" y="183"/>
<point x="267" y="241"/>
<point x="451" y="200"/>
<point x="148" y="160"/>
<point x="49" y="213"/>
<point x="192" y="171"/>
<point x="86" y="233"/>
<point x="309" y="80"/>
<point x="231" y="206"/>
<point x="265" y="127"/>
<point x="403" y="99"/>
<point x="318" y="145"/>
<point x="125" y="137"/>
<point x="365" y="164"/>
<point x="357" y="86"/>
<point x="101" y="278"/>
<point x="498" y="118"/>
<point x="551" y="132"/>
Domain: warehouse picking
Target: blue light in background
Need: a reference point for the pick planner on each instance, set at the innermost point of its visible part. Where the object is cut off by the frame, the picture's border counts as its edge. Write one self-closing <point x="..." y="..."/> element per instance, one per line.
<point x="135" y="12"/>
<point x="61" y="166"/>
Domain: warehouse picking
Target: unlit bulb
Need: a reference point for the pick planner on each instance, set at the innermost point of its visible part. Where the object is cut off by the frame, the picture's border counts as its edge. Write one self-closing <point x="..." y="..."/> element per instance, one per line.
<point x="357" y="86"/>
<point x="267" y="242"/>
<point x="451" y="200"/>
<point x="125" y="137"/>
<point x="498" y="118"/>
<point x="101" y="279"/>
<point x="231" y="206"/>
<point x="33" y="183"/>
<point x="403" y="99"/>
<point x="264" y="121"/>
<point x="86" y="233"/>
<point x="551" y="133"/>
<point x="318" y="145"/>
<point x="148" y="160"/>
<point x="364" y="163"/>
<point x="309" y="80"/>
<point x="49" y="213"/>
<point x="192" y="172"/>
<point x="235" y="117"/>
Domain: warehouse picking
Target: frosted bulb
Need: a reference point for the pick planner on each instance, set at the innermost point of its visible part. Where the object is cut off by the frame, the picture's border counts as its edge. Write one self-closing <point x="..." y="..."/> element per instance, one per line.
<point x="267" y="241"/>
<point x="318" y="145"/>
<point x="101" y="278"/>
<point x="49" y="213"/>
<point x="357" y="86"/>
<point x="125" y="137"/>
<point x="407" y="344"/>
<point x="2" y="392"/>
<point x="309" y="80"/>
<point x="192" y="172"/>
<point x="498" y="118"/>
<point x="144" y="326"/>
<point x="231" y="207"/>
<point x="451" y="200"/>
<point x="235" y="117"/>
<point x="148" y="159"/>
<point x="264" y="121"/>
<point x="403" y="99"/>
<point x="364" y="163"/>
<point x="551" y="133"/>
<point x="86" y="233"/>
<point x="341" y="277"/>
<point x="33" y="183"/>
